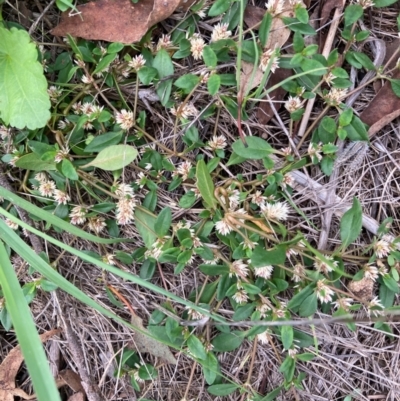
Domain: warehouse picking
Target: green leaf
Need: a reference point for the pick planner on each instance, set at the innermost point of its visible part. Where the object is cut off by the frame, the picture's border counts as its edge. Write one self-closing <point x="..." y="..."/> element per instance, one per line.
<point x="265" y="29"/>
<point x="299" y="298"/>
<point x="187" y="82"/>
<point x="219" y="7"/>
<point x="196" y="347"/>
<point x="287" y="368"/>
<point x="28" y="338"/>
<point x="32" y="161"/>
<point x="163" y="64"/>
<point x="24" y="101"/>
<point x="309" y="305"/>
<point x="271" y="396"/>
<point x="103" y="141"/>
<point x="287" y="336"/>
<point x="209" y="57"/>
<point x="352" y="13"/>
<point x="345" y="117"/>
<point x="68" y="170"/>
<point x="351" y="224"/>
<point x="223" y="389"/>
<point x="261" y="257"/>
<point x="383" y="3"/>
<point x="395" y="84"/>
<point x="105" y="62"/>
<point x="147" y="74"/>
<point x="210" y="368"/>
<point x="114" y="157"/>
<point x="390" y="283"/>
<point x="257" y="148"/>
<point x="213" y="84"/>
<point x="144" y="222"/>
<point x="187" y="200"/>
<point x="214" y="270"/>
<point x="205" y="184"/>
<point x="356" y="131"/>
<point x="226" y="342"/>
<point x="163" y="222"/>
<point x="301" y="14"/>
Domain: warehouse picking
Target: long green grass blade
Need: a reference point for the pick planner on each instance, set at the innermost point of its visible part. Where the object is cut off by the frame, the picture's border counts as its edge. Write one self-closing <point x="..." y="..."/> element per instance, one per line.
<point x="19" y="246"/>
<point x="54" y="220"/>
<point x="28" y="338"/>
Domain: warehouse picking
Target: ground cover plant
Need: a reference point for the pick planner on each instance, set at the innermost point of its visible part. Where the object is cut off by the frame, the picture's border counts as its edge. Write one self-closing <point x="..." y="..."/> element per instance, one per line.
<point x="209" y="212"/>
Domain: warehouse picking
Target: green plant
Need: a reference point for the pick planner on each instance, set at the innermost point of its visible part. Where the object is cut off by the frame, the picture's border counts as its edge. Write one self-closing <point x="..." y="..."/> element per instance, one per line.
<point x="241" y="239"/>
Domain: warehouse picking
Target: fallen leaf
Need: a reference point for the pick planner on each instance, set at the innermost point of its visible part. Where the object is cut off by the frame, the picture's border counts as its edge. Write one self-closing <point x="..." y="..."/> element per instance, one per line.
<point x="265" y="111"/>
<point x="253" y="16"/>
<point x="144" y="343"/>
<point x="77" y="397"/>
<point x="385" y="103"/>
<point x="71" y="379"/>
<point x="9" y="369"/>
<point x="278" y="36"/>
<point x="115" y="20"/>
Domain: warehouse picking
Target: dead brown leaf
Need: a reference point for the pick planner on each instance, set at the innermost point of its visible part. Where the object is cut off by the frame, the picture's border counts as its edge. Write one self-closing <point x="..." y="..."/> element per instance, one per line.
<point x="144" y="343"/>
<point x="71" y="379"/>
<point x="9" y="369"/>
<point x="115" y="20"/>
<point x="77" y="397"/>
<point x="383" y="105"/>
<point x="278" y="36"/>
<point x="265" y="111"/>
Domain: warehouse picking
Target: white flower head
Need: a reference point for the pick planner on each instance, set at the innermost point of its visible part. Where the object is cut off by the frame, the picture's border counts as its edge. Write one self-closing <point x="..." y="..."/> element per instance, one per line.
<point x="365" y="3"/>
<point x="381" y="248"/>
<point x="220" y="32"/>
<point x="78" y="215"/>
<point x="240" y="297"/>
<point x="137" y="62"/>
<point x="278" y="211"/>
<point x="196" y="47"/>
<point x="293" y="104"/>
<point x="324" y="293"/>
<point x="46" y="188"/>
<point x="325" y="267"/>
<point x="61" y="197"/>
<point x="223" y="227"/>
<point x="264" y="271"/>
<point x="267" y="58"/>
<point x="217" y="142"/>
<point x="239" y="269"/>
<point x="124" y="119"/>
<point x="371" y="272"/>
<point x="275" y="7"/>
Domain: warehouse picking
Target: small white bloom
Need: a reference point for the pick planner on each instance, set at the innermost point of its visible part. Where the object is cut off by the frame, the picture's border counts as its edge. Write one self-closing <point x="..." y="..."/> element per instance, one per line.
<point x="365" y="3"/>
<point x="278" y="211"/>
<point x="97" y="225"/>
<point x="220" y="32"/>
<point x="46" y="188"/>
<point x="239" y="269"/>
<point x="217" y="142"/>
<point x="264" y="271"/>
<point x="125" y="119"/>
<point x="223" y="227"/>
<point x="11" y="224"/>
<point x="78" y="215"/>
<point x="343" y="303"/>
<point x="375" y="307"/>
<point x="61" y="197"/>
<point x="196" y="47"/>
<point x="240" y="297"/>
<point x="258" y="198"/>
<point x="325" y="267"/>
<point x="293" y="104"/>
<point x="335" y="96"/>
<point x="381" y="248"/>
<point x="184" y="170"/>
<point x="269" y="56"/>
<point x="324" y="293"/>
<point x="275" y="7"/>
<point x="371" y="272"/>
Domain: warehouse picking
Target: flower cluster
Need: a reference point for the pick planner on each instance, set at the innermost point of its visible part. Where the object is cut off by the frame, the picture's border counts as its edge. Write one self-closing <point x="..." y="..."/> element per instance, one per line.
<point x="126" y="204"/>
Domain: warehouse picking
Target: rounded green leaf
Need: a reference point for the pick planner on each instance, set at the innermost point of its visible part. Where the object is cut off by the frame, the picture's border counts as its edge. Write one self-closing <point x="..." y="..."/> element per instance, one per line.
<point x="114" y="157"/>
<point x="222" y="389"/>
<point x="226" y="342"/>
<point x="24" y="101"/>
<point x="257" y="148"/>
